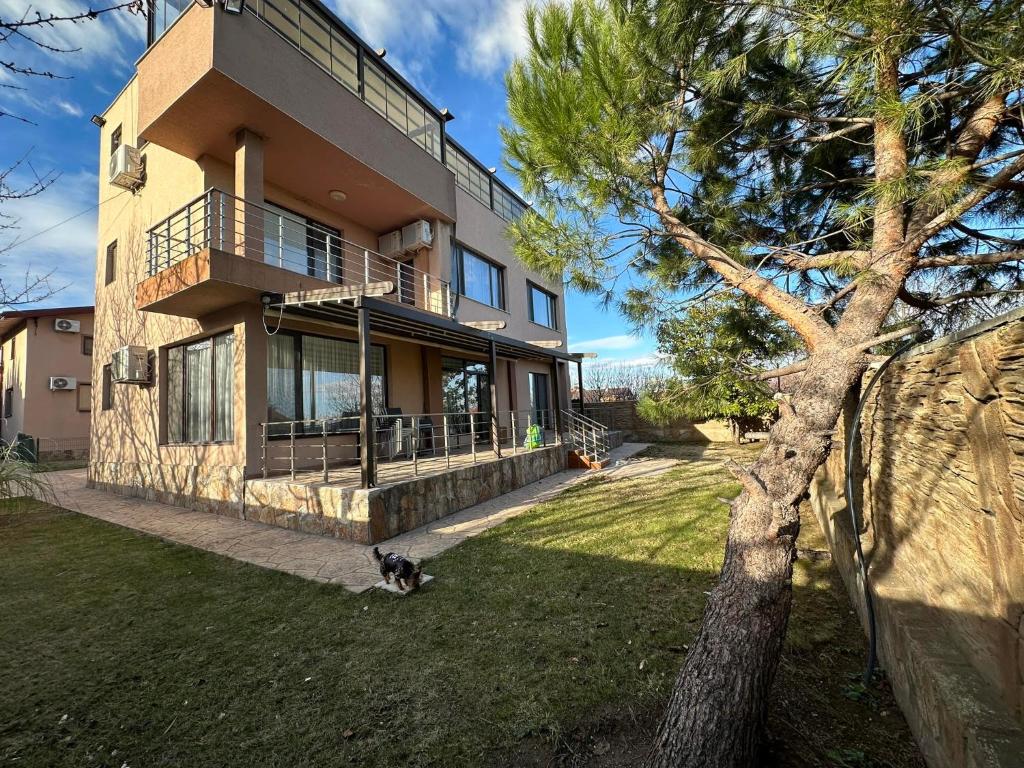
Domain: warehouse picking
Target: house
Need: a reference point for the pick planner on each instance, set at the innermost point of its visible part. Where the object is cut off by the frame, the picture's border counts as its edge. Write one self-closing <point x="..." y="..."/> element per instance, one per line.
<point x="45" y="378"/>
<point x="304" y="290"/>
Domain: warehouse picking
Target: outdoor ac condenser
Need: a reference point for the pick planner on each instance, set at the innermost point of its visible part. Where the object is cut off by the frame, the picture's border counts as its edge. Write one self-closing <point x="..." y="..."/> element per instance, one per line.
<point x="63" y="382"/>
<point x="126" y="167"/>
<point x="416" y="235"/>
<point x="130" y="365"/>
<point x="391" y="243"/>
<point x="67" y="326"/>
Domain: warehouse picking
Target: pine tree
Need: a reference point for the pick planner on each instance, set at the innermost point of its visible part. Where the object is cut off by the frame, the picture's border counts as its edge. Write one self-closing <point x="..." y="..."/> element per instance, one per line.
<point x="836" y="161"/>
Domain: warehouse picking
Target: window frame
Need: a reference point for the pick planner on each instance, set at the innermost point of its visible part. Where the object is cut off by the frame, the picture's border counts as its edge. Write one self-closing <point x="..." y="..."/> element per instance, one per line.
<point x="87" y="341"/>
<point x="298" y="389"/>
<point x="116" y="139"/>
<point x="552" y="305"/>
<point x="78" y="397"/>
<point x="335" y="265"/>
<point x="183" y="385"/>
<point x="110" y="266"/>
<point x="9" y="402"/>
<point x="107" y="388"/>
<point x="460" y="252"/>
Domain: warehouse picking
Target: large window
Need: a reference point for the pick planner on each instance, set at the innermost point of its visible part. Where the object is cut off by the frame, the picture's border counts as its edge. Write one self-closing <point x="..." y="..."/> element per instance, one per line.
<point x="302" y="245"/>
<point x="543" y="306"/>
<point x="315" y="377"/>
<point x="479" y="279"/>
<point x="200" y="391"/>
<point x="466" y="389"/>
<point x="162" y="14"/>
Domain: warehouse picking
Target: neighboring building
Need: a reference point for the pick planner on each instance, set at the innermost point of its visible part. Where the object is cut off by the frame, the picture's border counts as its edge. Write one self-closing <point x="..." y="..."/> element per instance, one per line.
<point x="605" y="394"/>
<point x="46" y="371"/>
<point x="274" y="160"/>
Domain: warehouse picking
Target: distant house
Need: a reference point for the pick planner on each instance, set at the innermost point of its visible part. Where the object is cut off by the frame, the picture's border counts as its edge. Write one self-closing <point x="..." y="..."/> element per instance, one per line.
<point x="605" y="394"/>
<point x="45" y="370"/>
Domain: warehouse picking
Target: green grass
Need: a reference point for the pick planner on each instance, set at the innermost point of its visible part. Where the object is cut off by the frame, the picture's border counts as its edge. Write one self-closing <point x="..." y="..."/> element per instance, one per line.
<point x="550" y="640"/>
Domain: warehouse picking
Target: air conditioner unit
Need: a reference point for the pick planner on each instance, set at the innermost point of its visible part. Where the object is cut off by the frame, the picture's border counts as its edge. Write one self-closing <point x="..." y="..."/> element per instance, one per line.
<point x="63" y="382"/>
<point x="67" y="326"/>
<point x="126" y="167"/>
<point x="417" y="235"/>
<point x="391" y="243"/>
<point x="130" y="365"/>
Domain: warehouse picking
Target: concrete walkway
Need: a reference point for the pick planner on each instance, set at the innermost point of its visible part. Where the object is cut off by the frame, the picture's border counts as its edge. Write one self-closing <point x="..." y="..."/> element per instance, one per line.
<point x="319" y="558"/>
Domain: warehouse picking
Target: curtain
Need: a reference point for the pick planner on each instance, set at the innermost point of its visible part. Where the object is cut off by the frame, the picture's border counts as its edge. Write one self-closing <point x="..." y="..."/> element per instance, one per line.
<point x="175" y="394"/>
<point x="330" y="378"/>
<point x="223" y="387"/>
<point x="198" y="390"/>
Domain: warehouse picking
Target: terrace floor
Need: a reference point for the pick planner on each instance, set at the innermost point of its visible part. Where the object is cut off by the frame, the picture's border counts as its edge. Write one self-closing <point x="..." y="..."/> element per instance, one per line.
<point x="320" y="558"/>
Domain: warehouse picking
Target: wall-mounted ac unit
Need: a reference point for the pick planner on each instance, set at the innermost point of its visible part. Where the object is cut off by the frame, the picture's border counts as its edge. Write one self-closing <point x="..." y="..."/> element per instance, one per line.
<point x="130" y="365"/>
<point x="417" y="235"/>
<point x="67" y="326"/>
<point x="391" y="243"/>
<point x="126" y="167"/>
<point x="63" y="382"/>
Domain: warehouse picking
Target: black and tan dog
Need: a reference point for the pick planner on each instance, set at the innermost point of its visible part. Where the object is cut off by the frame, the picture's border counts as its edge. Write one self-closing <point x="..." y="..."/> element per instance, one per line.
<point x="395" y="565"/>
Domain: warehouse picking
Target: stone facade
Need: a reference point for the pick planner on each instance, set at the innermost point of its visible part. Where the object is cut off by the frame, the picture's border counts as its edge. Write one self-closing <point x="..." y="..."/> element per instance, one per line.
<point x="217" y="489"/>
<point x="622" y="416"/>
<point x="943" y="529"/>
<point x="373" y="515"/>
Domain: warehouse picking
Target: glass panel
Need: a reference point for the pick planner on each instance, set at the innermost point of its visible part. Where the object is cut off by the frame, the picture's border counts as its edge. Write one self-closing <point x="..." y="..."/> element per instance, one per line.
<point x="481" y="280"/>
<point x="175" y="394"/>
<point x="397" y="106"/>
<point x="198" y="389"/>
<point x="330" y="378"/>
<point x="542" y="307"/>
<point x="223" y="384"/>
<point x="374" y="85"/>
<point x="281" y="405"/>
<point x="346" y="66"/>
<point x="284" y="17"/>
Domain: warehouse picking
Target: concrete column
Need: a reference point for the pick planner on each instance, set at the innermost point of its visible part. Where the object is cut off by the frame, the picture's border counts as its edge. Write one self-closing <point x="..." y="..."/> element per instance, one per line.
<point x="248" y="224"/>
<point x="492" y="380"/>
<point x="368" y="470"/>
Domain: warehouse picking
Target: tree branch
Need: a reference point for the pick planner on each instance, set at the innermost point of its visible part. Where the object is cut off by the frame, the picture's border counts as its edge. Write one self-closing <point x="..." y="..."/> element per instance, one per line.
<point x="977" y="260"/>
<point x="801" y="365"/>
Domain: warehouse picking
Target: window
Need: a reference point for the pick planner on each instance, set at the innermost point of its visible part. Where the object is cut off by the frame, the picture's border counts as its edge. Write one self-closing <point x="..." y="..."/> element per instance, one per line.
<point x="111" y="268"/>
<point x="115" y="139"/>
<point x="466" y="388"/>
<point x="301" y="245"/>
<point x="200" y="391"/>
<point x="542" y="307"/>
<point x="84" y="397"/>
<point x="479" y="279"/>
<point x="506" y="204"/>
<point x="8" y="402"/>
<point x="540" y="402"/>
<point x="162" y="14"/>
<point x="107" y="391"/>
<point x="87" y="345"/>
<point x="316" y="377"/>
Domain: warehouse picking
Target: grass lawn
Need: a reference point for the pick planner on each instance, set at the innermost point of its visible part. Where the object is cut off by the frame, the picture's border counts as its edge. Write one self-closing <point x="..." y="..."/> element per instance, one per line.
<point x="550" y="640"/>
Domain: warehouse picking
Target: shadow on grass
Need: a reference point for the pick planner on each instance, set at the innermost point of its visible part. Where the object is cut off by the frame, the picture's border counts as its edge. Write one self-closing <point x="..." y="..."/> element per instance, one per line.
<point x="551" y="640"/>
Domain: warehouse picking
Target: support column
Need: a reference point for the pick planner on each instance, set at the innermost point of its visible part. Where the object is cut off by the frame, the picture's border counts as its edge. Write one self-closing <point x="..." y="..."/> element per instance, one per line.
<point x="556" y="381"/>
<point x="579" y="381"/>
<point x="248" y="224"/>
<point x="492" y="376"/>
<point x="367" y="458"/>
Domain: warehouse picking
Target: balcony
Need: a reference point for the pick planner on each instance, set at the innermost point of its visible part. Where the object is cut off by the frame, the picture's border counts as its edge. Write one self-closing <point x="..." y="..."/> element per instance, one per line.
<point x="220" y="250"/>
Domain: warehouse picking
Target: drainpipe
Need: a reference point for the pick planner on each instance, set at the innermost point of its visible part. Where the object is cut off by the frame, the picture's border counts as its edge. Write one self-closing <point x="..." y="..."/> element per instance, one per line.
<point x="851" y="502"/>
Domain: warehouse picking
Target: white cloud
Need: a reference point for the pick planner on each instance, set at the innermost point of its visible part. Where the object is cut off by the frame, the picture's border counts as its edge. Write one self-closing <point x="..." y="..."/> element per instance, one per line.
<point x="68" y="250"/>
<point x="485" y="35"/>
<point x="66" y="106"/>
<point x="623" y="341"/>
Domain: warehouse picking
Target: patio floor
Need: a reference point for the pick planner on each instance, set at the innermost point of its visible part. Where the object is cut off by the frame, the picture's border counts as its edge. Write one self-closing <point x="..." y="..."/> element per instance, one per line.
<point x="319" y="558"/>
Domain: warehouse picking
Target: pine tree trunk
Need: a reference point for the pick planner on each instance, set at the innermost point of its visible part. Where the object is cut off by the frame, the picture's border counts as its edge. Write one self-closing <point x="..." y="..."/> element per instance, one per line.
<point x="716" y="712"/>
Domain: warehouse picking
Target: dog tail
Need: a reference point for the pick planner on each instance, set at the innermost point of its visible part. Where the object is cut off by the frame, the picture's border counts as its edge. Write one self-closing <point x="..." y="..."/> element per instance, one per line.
<point x="376" y="555"/>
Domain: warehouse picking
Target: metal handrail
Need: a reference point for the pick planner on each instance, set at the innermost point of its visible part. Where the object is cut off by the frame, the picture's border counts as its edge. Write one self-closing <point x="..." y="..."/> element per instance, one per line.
<point x="218" y="219"/>
<point x="588" y="436"/>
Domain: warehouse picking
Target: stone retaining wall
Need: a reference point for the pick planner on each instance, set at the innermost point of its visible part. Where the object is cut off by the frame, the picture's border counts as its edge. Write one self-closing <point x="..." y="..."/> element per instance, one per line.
<point x="943" y="528"/>
<point x="371" y="516"/>
<point x="217" y="489"/>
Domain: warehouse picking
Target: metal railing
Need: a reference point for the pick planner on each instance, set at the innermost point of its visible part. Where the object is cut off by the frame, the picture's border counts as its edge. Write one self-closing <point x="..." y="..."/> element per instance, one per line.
<point x="220" y="220"/>
<point x="405" y="445"/>
<point x="586" y="436"/>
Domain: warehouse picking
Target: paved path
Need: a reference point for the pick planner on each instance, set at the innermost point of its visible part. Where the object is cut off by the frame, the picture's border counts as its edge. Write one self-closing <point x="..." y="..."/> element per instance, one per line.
<point x="321" y="558"/>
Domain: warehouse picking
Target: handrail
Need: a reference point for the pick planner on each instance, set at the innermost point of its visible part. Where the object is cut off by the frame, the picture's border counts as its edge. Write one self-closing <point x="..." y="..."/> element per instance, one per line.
<point x="218" y="219"/>
<point x="589" y="437"/>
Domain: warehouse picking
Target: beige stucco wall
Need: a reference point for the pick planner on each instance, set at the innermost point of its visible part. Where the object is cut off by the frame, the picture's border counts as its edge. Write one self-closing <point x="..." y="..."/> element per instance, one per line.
<point x="42" y="352"/>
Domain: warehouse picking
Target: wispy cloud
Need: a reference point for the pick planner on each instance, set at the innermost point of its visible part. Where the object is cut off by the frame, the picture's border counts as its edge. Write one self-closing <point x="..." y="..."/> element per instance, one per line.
<point x="70" y="108"/>
<point x="607" y="343"/>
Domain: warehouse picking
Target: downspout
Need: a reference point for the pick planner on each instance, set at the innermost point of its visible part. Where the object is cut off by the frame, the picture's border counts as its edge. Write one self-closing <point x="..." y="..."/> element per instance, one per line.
<point x="918" y="338"/>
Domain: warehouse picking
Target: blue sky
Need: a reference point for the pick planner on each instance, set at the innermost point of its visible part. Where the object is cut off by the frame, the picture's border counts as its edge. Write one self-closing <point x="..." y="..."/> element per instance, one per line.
<point x="454" y="51"/>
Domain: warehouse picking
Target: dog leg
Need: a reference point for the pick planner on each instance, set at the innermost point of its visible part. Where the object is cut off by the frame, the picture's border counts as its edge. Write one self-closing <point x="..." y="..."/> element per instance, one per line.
<point x="398" y="580"/>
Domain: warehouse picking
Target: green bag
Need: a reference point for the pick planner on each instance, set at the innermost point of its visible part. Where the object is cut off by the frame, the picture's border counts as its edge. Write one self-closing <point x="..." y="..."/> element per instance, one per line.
<point x="534" y="437"/>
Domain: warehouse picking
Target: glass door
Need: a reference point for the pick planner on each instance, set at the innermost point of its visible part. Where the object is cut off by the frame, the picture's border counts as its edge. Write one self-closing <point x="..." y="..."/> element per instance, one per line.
<point x="540" y="401"/>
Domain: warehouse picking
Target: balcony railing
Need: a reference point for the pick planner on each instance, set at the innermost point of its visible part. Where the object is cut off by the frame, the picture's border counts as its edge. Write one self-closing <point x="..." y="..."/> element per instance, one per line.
<point x="273" y="236"/>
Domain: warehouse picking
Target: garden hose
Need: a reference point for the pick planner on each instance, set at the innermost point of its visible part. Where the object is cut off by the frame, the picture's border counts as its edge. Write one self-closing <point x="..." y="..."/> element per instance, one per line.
<point x="918" y="338"/>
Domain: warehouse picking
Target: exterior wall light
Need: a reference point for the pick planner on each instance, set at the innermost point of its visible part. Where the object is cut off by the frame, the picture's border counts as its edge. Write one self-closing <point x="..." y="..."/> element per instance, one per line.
<point x="98" y="121"/>
<point x="382" y="52"/>
<point x="234" y="6"/>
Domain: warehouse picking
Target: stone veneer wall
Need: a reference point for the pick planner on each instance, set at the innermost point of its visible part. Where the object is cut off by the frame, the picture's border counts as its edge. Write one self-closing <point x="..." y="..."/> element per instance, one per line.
<point x="621" y="415"/>
<point x="373" y="515"/>
<point x="217" y="489"/>
<point x="943" y="528"/>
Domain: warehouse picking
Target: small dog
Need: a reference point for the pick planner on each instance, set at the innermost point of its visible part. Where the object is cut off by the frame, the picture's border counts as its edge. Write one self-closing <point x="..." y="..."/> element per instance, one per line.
<point x="402" y="569"/>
